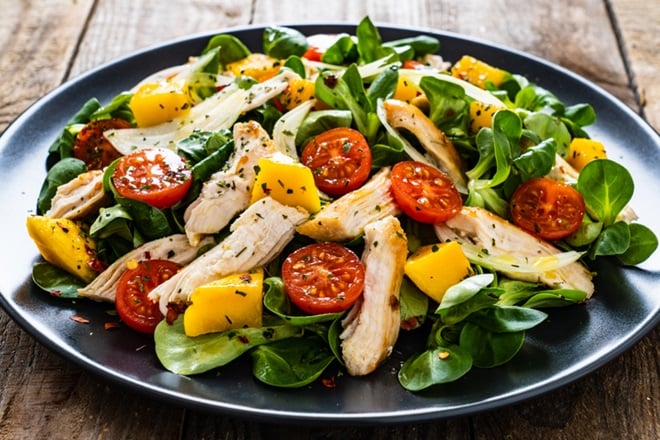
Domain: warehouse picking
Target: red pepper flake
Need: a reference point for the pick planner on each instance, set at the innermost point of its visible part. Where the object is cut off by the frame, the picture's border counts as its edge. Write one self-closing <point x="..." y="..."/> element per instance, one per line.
<point x="329" y="382"/>
<point x="111" y="325"/>
<point x="80" y="319"/>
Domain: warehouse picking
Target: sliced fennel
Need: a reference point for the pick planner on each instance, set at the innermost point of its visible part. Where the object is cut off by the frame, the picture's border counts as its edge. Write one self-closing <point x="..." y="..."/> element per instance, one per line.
<point x="286" y="128"/>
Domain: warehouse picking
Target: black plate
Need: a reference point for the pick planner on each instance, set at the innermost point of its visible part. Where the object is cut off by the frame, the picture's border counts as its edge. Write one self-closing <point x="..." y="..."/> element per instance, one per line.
<point x="572" y="343"/>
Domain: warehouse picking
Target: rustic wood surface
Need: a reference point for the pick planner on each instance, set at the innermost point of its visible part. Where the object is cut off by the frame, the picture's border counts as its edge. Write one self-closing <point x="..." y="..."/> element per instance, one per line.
<point x="46" y="42"/>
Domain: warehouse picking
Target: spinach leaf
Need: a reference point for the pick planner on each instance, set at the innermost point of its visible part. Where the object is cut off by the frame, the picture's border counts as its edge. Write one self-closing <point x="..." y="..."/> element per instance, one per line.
<point x="369" y="42"/>
<point x="343" y="51"/>
<point x="55" y="281"/>
<point x="291" y="363"/>
<point x="449" y="105"/>
<point x="318" y="121"/>
<point x="464" y="290"/>
<point x="461" y="311"/>
<point x="420" y="44"/>
<point x="414" y="305"/>
<point x="507" y="319"/>
<point x="643" y="242"/>
<point x="546" y="127"/>
<point x="229" y="48"/>
<point x="555" y="298"/>
<point x="434" y="366"/>
<point x="282" y="42"/>
<point x="489" y="349"/>
<point x="295" y="64"/>
<point x="613" y="240"/>
<point x="118" y="108"/>
<point x="62" y="172"/>
<point x="277" y="302"/>
<point x="186" y="355"/>
<point x="537" y="160"/>
<point x="607" y="187"/>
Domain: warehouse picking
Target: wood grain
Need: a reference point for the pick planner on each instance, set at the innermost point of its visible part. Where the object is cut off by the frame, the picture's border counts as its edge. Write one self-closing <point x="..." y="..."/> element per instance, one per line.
<point x="47" y="42"/>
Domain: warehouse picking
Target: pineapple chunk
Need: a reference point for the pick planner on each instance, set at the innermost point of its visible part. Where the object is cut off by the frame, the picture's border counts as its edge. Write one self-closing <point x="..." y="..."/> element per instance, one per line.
<point x="435" y="268"/>
<point x="65" y="244"/>
<point x="157" y="102"/>
<point x="290" y="183"/>
<point x="582" y="151"/>
<point x="477" y="72"/>
<point x="298" y="91"/>
<point x="406" y="90"/>
<point x="232" y="302"/>
<point x="256" y="65"/>
<point x="481" y="115"/>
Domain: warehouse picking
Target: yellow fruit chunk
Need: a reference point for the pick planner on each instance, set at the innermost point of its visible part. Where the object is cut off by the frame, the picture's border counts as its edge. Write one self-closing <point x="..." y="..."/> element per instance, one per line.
<point x="481" y="115"/>
<point x="435" y="268"/>
<point x="582" y="151"/>
<point x="406" y="90"/>
<point x="290" y="183"/>
<point x="256" y="65"/>
<point x="234" y="301"/>
<point x="65" y="244"/>
<point x="477" y="72"/>
<point x="158" y="102"/>
<point x="298" y="91"/>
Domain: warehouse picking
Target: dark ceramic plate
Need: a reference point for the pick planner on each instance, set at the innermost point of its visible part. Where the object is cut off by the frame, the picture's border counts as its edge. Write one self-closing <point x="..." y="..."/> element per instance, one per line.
<point x="572" y="343"/>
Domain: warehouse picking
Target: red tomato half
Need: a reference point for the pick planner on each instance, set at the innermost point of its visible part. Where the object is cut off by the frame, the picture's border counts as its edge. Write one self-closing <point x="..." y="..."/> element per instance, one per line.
<point x="92" y="147"/>
<point x="424" y="193"/>
<point x="340" y="160"/>
<point x="313" y="53"/>
<point x="323" y="278"/>
<point x="132" y="302"/>
<point x="156" y="176"/>
<point x="547" y="209"/>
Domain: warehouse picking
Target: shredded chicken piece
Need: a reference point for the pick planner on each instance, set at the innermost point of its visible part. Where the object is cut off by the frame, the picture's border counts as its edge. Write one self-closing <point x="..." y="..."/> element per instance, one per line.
<point x="346" y="217"/>
<point x="562" y="171"/>
<point x="372" y="326"/>
<point x="79" y="198"/>
<point x="401" y="115"/>
<point x="497" y="236"/>
<point x="228" y="191"/>
<point x="174" y="248"/>
<point x="257" y="236"/>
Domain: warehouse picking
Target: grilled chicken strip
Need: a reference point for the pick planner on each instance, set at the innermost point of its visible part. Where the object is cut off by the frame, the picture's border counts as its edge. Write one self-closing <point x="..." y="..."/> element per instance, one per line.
<point x="346" y="217"/>
<point x="79" y="197"/>
<point x="228" y="191"/>
<point x="174" y="248"/>
<point x="401" y="115"/>
<point x="498" y="237"/>
<point x="371" y="328"/>
<point x="257" y="236"/>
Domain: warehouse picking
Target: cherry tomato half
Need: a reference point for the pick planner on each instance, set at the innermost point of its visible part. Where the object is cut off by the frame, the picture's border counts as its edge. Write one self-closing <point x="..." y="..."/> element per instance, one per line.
<point x="132" y="302"/>
<point x="313" y="53"/>
<point x="92" y="147"/>
<point x="323" y="278"/>
<point x="547" y="209"/>
<point x="340" y="160"/>
<point x="424" y="193"/>
<point x="156" y="176"/>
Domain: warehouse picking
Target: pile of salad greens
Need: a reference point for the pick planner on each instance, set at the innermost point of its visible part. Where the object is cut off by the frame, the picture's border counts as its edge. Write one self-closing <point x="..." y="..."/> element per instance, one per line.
<point x="480" y="322"/>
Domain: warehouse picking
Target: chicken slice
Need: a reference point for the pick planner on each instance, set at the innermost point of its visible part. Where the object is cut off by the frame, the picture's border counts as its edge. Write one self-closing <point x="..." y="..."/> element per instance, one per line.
<point x="174" y="248"/>
<point x="498" y="237"/>
<point x="401" y="115"/>
<point x="79" y="197"/>
<point x="256" y="237"/>
<point x="372" y="326"/>
<point x="228" y="191"/>
<point x="346" y="217"/>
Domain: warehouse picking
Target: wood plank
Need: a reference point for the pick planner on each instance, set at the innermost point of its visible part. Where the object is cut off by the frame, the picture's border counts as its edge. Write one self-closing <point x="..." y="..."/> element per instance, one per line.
<point x="640" y="46"/>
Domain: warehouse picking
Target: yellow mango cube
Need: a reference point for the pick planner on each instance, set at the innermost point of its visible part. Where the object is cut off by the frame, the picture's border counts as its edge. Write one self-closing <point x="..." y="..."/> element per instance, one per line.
<point x="232" y="302"/>
<point x="406" y="90"/>
<point x="481" y="115"/>
<point x="299" y="90"/>
<point x="290" y="183"/>
<point x="158" y="102"/>
<point x="64" y="244"/>
<point x="256" y="65"/>
<point x="582" y="151"/>
<point x="477" y="72"/>
<point x="435" y="268"/>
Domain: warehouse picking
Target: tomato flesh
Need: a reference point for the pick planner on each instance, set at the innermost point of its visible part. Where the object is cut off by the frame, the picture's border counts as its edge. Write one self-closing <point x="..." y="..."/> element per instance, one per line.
<point x="340" y="160"/>
<point x="313" y="53"/>
<point x="546" y="208"/>
<point x="133" y="305"/>
<point x="323" y="278"/>
<point x="92" y="147"/>
<point x="425" y="193"/>
<point x="156" y="176"/>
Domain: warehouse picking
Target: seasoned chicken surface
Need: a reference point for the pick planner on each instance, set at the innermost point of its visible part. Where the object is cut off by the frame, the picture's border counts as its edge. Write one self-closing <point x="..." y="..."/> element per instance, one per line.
<point x="402" y="115"/>
<point x="257" y="236"/>
<point x="175" y="248"/>
<point x="372" y="326"/>
<point x="228" y="191"/>
<point x="346" y="217"/>
<point x="79" y="197"/>
<point x="497" y="236"/>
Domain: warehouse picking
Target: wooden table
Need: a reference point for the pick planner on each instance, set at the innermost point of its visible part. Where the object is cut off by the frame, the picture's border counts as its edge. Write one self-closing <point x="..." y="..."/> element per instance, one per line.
<point x="44" y="43"/>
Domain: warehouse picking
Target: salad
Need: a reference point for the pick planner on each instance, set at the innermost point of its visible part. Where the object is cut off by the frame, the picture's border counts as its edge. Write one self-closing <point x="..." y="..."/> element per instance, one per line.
<point x="306" y="204"/>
